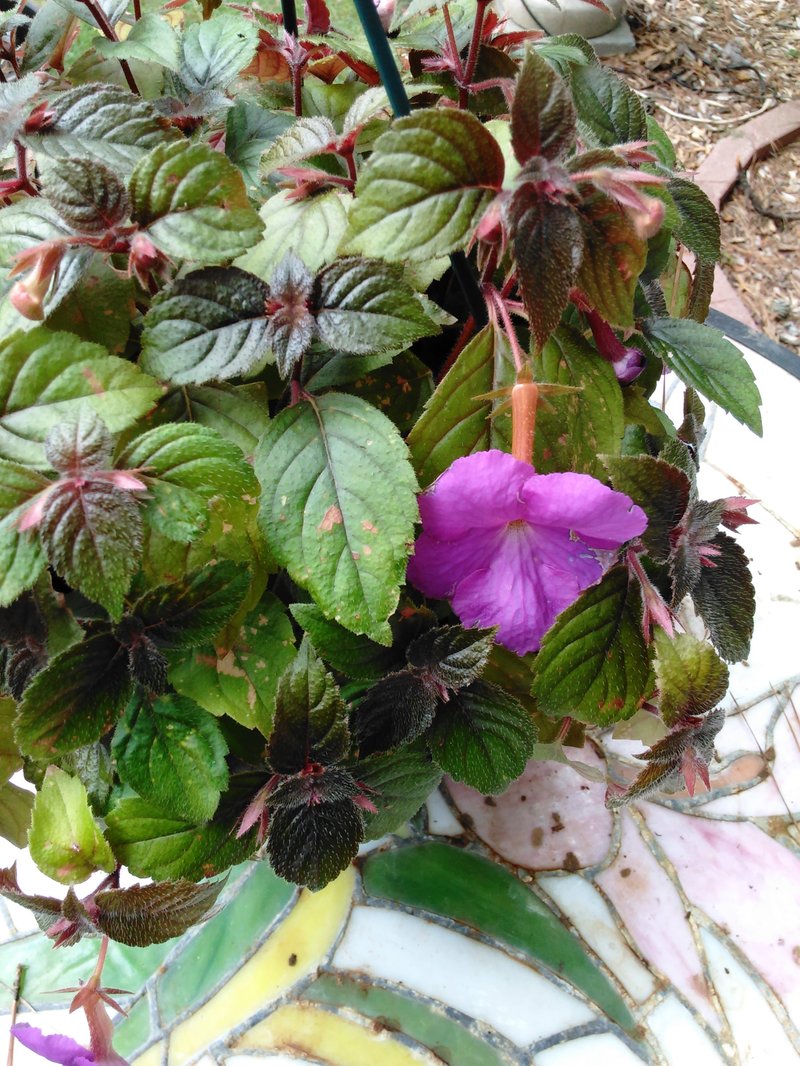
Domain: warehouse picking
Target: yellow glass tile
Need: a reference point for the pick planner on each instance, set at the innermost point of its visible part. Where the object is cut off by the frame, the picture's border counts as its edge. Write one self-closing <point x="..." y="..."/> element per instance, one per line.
<point x="152" y="1057"/>
<point x="330" y="1037"/>
<point x="294" y="950"/>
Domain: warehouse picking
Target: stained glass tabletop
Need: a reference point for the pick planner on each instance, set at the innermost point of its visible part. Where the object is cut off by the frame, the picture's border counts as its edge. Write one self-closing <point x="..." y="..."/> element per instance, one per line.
<point x="533" y="927"/>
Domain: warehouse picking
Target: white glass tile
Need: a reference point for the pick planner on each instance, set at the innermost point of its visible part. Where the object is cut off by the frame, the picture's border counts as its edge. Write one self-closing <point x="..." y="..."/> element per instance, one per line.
<point x="441" y="820"/>
<point x="476" y="979"/>
<point x="681" y="1038"/>
<point x="601" y="1048"/>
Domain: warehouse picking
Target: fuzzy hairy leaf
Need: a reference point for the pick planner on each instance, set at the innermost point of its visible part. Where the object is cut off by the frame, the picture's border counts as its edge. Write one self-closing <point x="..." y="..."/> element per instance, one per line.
<point x="65" y="841"/>
<point x="75" y="699"/>
<point x="150" y="914"/>
<point x="315" y="827"/>
<point x="172" y="752"/>
<point x="613" y="258"/>
<point x="338" y="507"/>
<point x="395" y="711"/>
<point x="593" y="664"/>
<point x="151" y="39"/>
<point x="690" y="677"/>
<point x="104" y="123"/>
<point x="81" y="445"/>
<point x="311" y="228"/>
<point x="306" y="137"/>
<point x="92" y="534"/>
<point x="609" y="111"/>
<point x="482" y="737"/>
<point x="291" y="327"/>
<point x="193" y="203"/>
<point x="216" y="50"/>
<point x="47" y="378"/>
<point x="241" y="679"/>
<point x="542" y="115"/>
<point x="660" y="489"/>
<point x="574" y="429"/>
<point x="699" y="228"/>
<point x="365" y="306"/>
<point x="15" y="103"/>
<point x="310" y="717"/>
<point x="152" y="843"/>
<point x="210" y="326"/>
<point x="456" y="419"/>
<point x="21" y="555"/>
<point x="240" y="413"/>
<point x="703" y="358"/>
<point x="548" y="246"/>
<point x="725" y="599"/>
<point x="99" y="308"/>
<point x="88" y="195"/>
<point x="398" y="784"/>
<point x="450" y="166"/>
<point x="358" y="657"/>
<point x="452" y="656"/>
<point x="185" y="467"/>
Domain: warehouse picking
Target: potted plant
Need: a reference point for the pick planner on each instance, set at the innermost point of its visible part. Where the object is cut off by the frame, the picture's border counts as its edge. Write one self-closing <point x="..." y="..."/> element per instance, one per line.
<point x="332" y="453"/>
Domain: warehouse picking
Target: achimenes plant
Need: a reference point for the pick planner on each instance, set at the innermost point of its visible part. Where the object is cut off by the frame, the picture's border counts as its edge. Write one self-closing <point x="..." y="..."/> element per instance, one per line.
<point x="238" y="369"/>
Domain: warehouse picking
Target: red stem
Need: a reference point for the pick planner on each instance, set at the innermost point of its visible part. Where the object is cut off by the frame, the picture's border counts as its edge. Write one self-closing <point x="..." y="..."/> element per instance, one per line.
<point x="508" y="326"/>
<point x="109" y="33"/>
<point x="472" y="55"/>
<point x="297" y="90"/>
<point x="451" y="37"/>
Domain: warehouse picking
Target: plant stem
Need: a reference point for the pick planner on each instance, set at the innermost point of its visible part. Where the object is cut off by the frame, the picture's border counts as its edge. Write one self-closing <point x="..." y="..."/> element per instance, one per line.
<point x="297" y="90"/>
<point x="472" y="55"/>
<point x="452" y="39"/>
<point x="109" y="33"/>
<point x="511" y="333"/>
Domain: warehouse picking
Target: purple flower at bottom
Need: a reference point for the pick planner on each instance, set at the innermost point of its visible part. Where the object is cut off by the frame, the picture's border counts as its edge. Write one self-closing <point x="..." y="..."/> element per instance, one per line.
<point x="512" y="548"/>
<point x="53" y="1046"/>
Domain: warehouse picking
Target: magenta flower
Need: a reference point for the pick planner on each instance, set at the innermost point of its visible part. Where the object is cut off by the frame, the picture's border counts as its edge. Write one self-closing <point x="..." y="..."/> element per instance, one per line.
<point x="512" y="548"/>
<point x="53" y="1047"/>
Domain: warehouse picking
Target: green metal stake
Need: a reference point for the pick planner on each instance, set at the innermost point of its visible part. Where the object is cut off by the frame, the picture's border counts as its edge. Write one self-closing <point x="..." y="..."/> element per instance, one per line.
<point x="289" y="17"/>
<point x="398" y="98"/>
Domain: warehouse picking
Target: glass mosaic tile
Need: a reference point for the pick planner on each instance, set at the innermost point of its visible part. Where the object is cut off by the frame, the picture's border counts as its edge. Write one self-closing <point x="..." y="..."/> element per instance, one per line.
<point x="529" y="929"/>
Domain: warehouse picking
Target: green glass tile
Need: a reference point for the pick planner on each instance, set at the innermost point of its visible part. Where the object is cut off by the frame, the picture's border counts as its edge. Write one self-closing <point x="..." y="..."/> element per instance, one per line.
<point x="47" y="968"/>
<point x="429" y="1026"/>
<point x="470" y="889"/>
<point x="133" y="1032"/>
<point x="222" y="943"/>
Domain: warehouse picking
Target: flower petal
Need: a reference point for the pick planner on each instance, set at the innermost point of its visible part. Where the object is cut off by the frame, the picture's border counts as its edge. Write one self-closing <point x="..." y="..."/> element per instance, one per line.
<point x="480" y="491"/>
<point x="52" y="1046"/>
<point x="577" y="502"/>
<point x="437" y="566"/>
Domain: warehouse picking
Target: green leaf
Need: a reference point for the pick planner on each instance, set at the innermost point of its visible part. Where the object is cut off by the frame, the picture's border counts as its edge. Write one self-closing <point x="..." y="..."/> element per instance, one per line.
<point x="613" y="258"/>
<point x="44" y="33"/>
<point x="172" y="752"/>
<point x="16" y="805"/>
<point x="482" y="737"/>
<point x="690" y="677"/>
<point x="66" y="843"/>
<point x="87" y="195"/>
<point x="47" y="378"/>
<point x="315" y="827"/>
<point x="194" y="608"/>
<point x="15" y="98"/>
<point x="456" y="419"/>
<point x="92" y="534"/>
<point x="310" y="717"/>
<point x="193" y="203"/>
<point x="573" y="430"/>
<point x="548" y="244"/>
<point x="216" y="50"/>
<point x="365" y="306"/>
<point x="112" y="9"/>
<point x="98" y="308"/>
<point x="21" y="555"/>
<point x="609" y="111"/>
<point x="240" y="413"/>
<point x="186" y="466"/>
<point x="241" y="679"/>
<point x="338" y="507"/>
<point x="395" y="711"/>
<point x="211" y="325"/>
<point x="75" y="699"/>
<point x="26" y="223"/>
<point x="150" y="914"/>
<point x="311" y="228"/>
<point x="154" y="844"/>
<point x="593" y="664"/>
<point x="104" y="123"/>
<point x="151" y="39"/>
<point x="306" y="137"/>
<point x="249" y="129"/>
<point x="398" y="784"/>
<point x="399" y="388"/>
<point x="452" y="656"/>
<point x="542" y="115"/>
<point x="450" y="166"/>
<point x="93" y="768"/>
<point x="725" y="599"/>
<point x="699" y="228"/>
<point x="358" y="657"/>
<point x="703" y="358"/>
<point x="661" y="490"/>
<point x="10" y="758"/>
